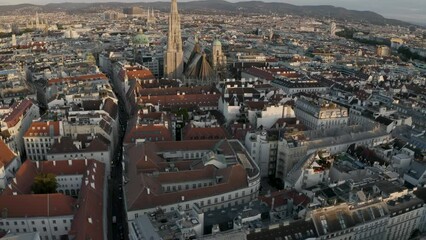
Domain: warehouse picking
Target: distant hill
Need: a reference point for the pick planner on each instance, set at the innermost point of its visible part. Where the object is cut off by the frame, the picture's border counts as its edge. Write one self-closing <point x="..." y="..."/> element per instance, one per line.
<point x="213" y="7"/>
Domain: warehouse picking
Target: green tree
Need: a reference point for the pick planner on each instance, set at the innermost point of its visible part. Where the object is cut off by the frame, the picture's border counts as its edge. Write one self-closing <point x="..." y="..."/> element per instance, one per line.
<point x="44" y="183"/>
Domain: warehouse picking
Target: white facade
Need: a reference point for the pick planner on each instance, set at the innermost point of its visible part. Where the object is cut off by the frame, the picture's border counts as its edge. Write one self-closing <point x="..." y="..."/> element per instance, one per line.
<point x="101" y="156"/>
<point x="263" y="151"/>
<point x="17" y="131"/>
<point x="49" y="228"/>
<point x="268" y="116"/>
<point x="228" y="199"/>
<point x="8" y="172"/>
<point x="38" y="147"/>
<point x="321" y="116"/>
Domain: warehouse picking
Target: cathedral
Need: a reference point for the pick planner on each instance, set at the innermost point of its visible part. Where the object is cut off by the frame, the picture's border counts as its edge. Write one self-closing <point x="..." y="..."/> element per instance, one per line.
<point x="196" y="65"/>
<point x="173" y="58"/>
<point x="203" y="66"/>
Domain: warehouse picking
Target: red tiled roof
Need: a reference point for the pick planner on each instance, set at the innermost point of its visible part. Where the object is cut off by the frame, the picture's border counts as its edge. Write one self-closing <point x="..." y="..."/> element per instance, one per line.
<point x="234" y="177"/>
<point x="43" y="129"/>
<point x="6" y="155"/>
<point x="182" y="100"/>
<point x="90" y="201"/>
<point x="194" y="133"/>
<point x="88" y="220"/>
<point x="19" y="109"/>
<point x="111" y="108"/>
<point x="37" y="205"/>
<point x="139" y="73"/>
<point x="152" y="132"/>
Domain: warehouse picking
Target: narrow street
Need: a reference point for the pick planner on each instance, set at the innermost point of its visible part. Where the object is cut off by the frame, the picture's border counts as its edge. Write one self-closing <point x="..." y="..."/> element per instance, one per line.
<point x="116" y="209"/>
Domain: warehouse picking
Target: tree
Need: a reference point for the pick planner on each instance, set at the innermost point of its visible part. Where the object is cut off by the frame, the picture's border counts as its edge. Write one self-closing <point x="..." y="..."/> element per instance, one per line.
<point x="44" y="184"/>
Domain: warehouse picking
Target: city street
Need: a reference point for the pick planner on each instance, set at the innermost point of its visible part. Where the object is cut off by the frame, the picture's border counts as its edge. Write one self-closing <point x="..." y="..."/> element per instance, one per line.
<point x="115" y="201"/>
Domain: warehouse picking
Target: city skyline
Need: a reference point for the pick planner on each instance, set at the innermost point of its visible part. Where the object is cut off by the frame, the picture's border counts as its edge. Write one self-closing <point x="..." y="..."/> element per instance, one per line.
<point x="242" y="121"/>
<point x="411" y="11"/>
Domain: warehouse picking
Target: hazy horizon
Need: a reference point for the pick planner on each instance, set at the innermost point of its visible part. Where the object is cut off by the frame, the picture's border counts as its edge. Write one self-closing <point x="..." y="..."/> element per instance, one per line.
<point x="408" y="10"/>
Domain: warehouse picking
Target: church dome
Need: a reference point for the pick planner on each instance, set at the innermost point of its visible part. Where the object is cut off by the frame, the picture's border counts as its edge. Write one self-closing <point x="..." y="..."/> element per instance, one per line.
<point x="140" y="39"/>
<point x="217" y="43"/>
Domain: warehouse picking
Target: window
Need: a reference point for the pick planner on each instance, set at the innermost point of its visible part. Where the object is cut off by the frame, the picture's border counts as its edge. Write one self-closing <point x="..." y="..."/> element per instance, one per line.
<point x="44" y="229"/>
<point x="34" y="229"/>
<point x="22" y="222"/>
<point x="55" y="229"/>
<point x="54" y="221"/>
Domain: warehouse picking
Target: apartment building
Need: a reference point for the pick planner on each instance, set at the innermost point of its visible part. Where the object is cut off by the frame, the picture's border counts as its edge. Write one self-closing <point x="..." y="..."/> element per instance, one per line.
<point x="212" y="174"/>
<point x="318" y="114"/>
<point x="77" y="210"/>
<point x="15" y="121"/>
<point x="39" y="138"/>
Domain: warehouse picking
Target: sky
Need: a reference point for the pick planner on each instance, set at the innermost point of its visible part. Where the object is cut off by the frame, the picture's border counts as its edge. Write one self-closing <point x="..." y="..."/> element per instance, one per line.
<point x="408" y="10"/>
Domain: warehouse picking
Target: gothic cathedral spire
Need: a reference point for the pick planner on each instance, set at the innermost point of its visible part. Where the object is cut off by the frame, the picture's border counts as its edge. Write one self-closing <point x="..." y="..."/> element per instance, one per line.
<point x="173" y="58"/>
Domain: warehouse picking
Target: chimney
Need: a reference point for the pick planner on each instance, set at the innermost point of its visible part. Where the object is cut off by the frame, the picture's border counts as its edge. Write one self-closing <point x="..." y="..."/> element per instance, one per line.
<point x="70" y="162"/>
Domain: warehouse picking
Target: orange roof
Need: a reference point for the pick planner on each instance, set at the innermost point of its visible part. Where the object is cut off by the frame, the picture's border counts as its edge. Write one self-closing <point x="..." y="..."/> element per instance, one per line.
<point x="38" y="129"/>
<point x="149" y="132"/>
<point x="19" y="206"/>
<point x="19" y="109"/>
<point x="194" y="133"/>
<point x="139" y="73"/>
<point x="90" y="206"/>
<point x="234" y="177"/>
<point x="6" y="155"/>
<point x="90" y="199"/>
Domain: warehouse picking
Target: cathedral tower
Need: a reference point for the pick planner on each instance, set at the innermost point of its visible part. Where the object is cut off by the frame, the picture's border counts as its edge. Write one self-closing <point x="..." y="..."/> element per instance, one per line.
<point x="219" y="59"/>
<point x="173" y="58"/>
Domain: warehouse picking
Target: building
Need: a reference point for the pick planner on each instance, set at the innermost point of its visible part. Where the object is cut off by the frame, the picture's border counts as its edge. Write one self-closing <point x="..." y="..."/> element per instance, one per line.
<point x="218" y="57"/>
<point x="212" y="174"/>
<point x="9" y="164"/>
<point x="60" y="214"/>
<point x="311" y="171"/>
<point x="305" y="84"/>
<point x="173" y="57"/>
<point x="40" y="137"/>
<point x="133" y="11"/>
<point x="263" y="146"/>
<point x="319" y="114"/>
<point x="294" y="146"/>
<point x="182" y="224"/>
<point x="16" y="121"/>
<point x="395" y="217"/>
<point x="82" y="146"/>
<point x="383" y="51"/>
<point x="333" y="28"/>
